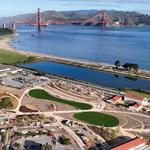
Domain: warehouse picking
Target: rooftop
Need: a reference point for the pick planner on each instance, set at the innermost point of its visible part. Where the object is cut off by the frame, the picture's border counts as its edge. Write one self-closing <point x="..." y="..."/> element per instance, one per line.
<point x="137" y="105"/>
<point x="135" y="97"/>
<point x="115" y="98"/>
<point x="128" y="145"/>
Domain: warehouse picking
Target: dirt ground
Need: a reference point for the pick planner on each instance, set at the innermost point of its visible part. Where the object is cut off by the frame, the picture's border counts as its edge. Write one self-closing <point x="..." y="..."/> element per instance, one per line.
<point x="45" y="105"/>
<point x="16" y="92"/>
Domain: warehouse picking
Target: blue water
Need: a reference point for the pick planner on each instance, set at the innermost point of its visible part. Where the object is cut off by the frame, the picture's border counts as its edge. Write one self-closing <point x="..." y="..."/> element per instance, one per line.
<point x="96" y="77"/>
<point x="91" y="43"/>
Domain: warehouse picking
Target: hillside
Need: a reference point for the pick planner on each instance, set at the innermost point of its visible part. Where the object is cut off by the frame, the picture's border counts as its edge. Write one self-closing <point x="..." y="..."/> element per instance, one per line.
<point x="87" y="17"/>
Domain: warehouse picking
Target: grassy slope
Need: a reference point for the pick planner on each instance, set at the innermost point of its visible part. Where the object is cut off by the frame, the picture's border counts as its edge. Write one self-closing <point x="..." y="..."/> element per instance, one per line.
<point x="9" y="57"/>
<point x="96" y="118"/>
<point x="41" y="94"/>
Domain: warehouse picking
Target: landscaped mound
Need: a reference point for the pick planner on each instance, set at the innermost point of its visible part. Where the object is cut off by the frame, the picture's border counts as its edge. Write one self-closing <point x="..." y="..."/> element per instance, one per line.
<point x="96" y="118"/>
<point x="7" y="101"/>
<point x="41" y="94"/>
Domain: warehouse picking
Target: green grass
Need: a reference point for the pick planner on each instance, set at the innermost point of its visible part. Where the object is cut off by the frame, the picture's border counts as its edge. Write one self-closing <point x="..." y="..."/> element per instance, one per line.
<point x="96" y="118"/>
<point x="9" y="57"/>
<point x="41" y="94"/>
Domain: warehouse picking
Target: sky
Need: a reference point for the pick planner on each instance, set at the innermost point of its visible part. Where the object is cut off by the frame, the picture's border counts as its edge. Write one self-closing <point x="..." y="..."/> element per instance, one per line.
<point x="15" y="7"/>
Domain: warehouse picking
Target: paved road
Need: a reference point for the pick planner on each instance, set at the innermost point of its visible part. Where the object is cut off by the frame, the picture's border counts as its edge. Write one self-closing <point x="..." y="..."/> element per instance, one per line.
<point x="125" y="112"/>
<point x="74" y="136"/>
<point x="20" y="100"/>
<point x="97" y="107"/>
<point x="58" y="118"/>
<point x="139" y="130"/>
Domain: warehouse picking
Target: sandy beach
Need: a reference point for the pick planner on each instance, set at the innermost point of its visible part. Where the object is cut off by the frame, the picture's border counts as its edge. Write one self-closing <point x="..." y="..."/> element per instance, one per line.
<point x="4" y="43"/>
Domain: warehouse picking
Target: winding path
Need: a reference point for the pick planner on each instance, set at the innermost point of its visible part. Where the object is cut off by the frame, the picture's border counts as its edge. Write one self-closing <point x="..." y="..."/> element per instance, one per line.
<point x="97" y="107"/>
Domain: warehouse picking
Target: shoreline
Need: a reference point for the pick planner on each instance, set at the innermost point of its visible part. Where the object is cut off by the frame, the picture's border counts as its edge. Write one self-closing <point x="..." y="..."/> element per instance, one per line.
<point x="104" y="67"/>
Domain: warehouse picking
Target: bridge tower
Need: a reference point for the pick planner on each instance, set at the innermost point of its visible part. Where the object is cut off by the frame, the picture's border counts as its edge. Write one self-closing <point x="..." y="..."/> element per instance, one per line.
<point x="39" y="19"/>
<point x="103" y="21"/>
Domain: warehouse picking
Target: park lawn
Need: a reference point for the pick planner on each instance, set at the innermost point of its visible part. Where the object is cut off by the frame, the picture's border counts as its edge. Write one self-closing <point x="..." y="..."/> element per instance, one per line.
<point x="42" y="94"/>
<point x="96" y="118"/>
<point x="10" y="57"/>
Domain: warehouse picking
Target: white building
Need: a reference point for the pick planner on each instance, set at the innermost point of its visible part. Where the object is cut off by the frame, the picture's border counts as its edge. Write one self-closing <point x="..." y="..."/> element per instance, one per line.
<point x="146" y="102"/>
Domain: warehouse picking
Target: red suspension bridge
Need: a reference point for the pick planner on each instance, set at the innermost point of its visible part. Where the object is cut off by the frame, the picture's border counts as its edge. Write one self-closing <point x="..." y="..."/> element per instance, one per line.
<point x="40" y="23"/>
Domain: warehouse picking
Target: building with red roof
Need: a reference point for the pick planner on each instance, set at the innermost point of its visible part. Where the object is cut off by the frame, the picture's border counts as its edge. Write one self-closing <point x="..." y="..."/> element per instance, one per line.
<point x="137" y="107"/>
<point x="135" y="98"/>
<point x="116" y="99"/>
<point x="135" y="144"/>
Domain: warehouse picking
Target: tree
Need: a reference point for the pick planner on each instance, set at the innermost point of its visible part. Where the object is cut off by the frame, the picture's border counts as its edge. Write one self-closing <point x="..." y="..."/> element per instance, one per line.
<point x="46" y="147"/>
<point x="117" y="63"/>
<point x="130" y="67"/>
<point x="66" y="141"/>
<point x="135" y="67"/>
<point x="4" y="137"/>
<point x="113" y="133"/>
<point x="6" y="31"/>
<point x="17" y="146"/>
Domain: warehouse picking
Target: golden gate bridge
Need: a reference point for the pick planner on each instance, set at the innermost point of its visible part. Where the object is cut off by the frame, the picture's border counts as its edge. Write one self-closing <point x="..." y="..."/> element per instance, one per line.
<point x="39" y="23"/>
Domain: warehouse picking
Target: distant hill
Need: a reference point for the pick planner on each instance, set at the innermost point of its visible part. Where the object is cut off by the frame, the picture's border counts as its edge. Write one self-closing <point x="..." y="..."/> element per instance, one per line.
<point x="85" y="17"/>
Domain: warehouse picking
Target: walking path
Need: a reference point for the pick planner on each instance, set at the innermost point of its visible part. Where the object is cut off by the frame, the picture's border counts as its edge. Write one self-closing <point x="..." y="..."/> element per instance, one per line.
<point x="97" y="107"/>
